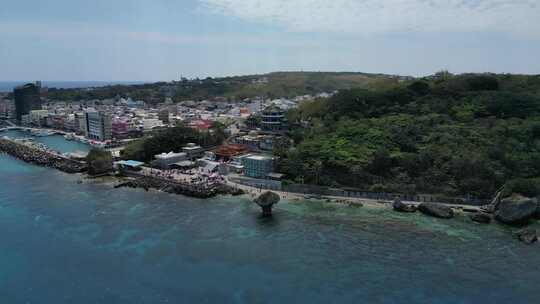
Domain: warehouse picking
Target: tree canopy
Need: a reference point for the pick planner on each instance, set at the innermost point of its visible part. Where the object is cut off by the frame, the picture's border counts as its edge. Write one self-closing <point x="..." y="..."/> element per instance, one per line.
<point x="452" y="135"/>
<point x="171" y="140"/>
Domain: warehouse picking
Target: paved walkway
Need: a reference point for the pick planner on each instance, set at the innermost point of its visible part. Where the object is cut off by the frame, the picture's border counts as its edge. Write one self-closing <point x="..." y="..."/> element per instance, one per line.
<point x="253" y="192"/>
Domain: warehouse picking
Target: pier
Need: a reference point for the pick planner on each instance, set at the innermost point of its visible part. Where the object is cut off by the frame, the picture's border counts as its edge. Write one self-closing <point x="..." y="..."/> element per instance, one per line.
<point x="41" y="157"/>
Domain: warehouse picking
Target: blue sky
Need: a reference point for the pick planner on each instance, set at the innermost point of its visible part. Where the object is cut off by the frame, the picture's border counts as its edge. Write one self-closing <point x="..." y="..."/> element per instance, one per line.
<point x="166" y="39"/>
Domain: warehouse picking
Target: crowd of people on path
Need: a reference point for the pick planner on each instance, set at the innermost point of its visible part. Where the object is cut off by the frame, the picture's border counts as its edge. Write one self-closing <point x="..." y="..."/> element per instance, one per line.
<point x="191" y="177"/>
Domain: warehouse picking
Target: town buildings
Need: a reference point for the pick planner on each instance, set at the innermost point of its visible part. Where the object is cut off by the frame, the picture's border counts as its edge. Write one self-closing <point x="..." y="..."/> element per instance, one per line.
<point x="163" y="115"/>
<point x="273" y="119"/>
<point x="201" y="125"/>
<point x="257" y="165"/>
<point x="119" y="128"/>
<point x="251" y="125"/>
<point x="228" y="152"/>
<point x="255" y="141"/>
<point x="98" y="126"/>
<point x="165" y="160"/>
<point x="38" y="117"/>
<point x="193" y="151"/>
<point x="7" y="109"/>
<point x="151" y="123"/>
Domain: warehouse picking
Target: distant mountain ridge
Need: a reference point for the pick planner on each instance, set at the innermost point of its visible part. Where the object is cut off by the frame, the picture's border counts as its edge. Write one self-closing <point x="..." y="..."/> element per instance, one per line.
<point x="272" y="85"/>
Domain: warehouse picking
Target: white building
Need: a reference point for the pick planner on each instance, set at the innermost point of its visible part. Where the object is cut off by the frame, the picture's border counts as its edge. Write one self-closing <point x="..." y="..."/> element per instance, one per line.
<point x="150" y="123"/>
<point x="37" y="116"/>
<point x="164" y="160"/>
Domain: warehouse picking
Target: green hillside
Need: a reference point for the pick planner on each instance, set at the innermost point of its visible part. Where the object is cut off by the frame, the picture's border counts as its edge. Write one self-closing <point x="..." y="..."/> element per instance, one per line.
<point x="451" y="135"/>
<point x="273" y="85"/>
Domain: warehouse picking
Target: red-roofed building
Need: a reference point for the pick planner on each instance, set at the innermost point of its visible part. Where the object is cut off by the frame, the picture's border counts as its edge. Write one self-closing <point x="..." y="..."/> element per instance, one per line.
<point x="200" y="124"/>
<point x="119" y="129"/>
<point x="227" y="152"/>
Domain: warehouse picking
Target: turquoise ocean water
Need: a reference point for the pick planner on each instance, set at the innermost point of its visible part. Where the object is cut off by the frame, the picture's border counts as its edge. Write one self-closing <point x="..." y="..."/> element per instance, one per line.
<point x="64" y="242"/>
<point x="55" y="142"/>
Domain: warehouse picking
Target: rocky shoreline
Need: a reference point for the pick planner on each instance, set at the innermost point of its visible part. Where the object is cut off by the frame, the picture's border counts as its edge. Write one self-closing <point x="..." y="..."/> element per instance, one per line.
<point x="515" y="211"/>
<point x="40" y="157"/>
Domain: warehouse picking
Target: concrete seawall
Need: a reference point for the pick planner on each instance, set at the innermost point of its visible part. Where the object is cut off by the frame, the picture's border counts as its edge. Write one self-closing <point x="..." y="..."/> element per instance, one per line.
<point x="34" y="155"/>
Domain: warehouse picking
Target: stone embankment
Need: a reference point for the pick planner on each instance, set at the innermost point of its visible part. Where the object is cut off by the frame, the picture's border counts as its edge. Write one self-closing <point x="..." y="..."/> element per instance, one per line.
<point x="177" y="188"/>
<point x="37" y="156"/>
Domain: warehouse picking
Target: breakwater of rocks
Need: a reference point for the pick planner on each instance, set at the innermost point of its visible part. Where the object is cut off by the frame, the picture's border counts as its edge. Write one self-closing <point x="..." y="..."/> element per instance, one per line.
<point x="40" y="157"/>
<point x="177" y="188"/>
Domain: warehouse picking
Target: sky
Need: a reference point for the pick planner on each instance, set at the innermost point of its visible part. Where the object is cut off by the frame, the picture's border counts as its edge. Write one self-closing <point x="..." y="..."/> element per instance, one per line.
<point x="141" y="40"/>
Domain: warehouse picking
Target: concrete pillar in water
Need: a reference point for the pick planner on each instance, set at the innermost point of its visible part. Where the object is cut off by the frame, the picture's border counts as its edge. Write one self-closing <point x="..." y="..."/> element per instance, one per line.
<point x="266" y="201"/>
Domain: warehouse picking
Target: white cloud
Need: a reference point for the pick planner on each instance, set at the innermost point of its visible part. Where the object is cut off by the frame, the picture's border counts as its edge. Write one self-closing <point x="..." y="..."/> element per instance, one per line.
<point x="521" y="17"/>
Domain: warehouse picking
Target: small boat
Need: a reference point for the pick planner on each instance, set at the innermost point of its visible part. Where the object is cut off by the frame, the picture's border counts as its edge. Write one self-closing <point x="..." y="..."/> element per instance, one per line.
<point x="69" y="136"/>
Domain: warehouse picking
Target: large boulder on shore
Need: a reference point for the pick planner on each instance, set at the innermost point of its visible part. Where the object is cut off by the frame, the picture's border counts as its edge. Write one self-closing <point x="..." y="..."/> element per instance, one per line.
<point x="516" y="210"/>
<point x="436" y="210"/>
<point x="481" y="217"/>
<point x="400" y="206"/>
<point x="267" y="199"/>
<point x="527" y="236"/>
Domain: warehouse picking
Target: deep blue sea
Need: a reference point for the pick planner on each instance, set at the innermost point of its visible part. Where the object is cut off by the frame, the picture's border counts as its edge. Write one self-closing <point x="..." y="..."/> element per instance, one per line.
<point x="64" y="242"/>
<point x="8" y="86"/>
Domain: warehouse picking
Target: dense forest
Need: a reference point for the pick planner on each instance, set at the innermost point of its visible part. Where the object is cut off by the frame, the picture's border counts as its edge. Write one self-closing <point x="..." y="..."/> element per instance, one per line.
<point x="448" y="135"/>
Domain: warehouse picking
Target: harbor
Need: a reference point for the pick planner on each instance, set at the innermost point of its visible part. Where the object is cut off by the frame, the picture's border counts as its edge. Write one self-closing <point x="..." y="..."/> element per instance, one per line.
<point x="38" y="154"/>
<point x="59" y="153"/>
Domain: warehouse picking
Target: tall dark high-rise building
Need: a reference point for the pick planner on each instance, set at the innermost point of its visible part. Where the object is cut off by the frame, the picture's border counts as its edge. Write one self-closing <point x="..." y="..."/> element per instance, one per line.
<point x="27" y="98"/>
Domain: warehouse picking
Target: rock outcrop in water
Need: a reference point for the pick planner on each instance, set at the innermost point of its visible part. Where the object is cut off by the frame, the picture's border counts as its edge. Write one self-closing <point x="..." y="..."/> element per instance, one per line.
<point x="266" y="201"/>
<point x="40" y="157"/>
<point x="228" y="190"/>
<point x="516" y="210"/>
<point x="436" y="210"/>
<point x="481" y="217"/>
<point x="400" y="206"/>
<point x="527" y="236"/>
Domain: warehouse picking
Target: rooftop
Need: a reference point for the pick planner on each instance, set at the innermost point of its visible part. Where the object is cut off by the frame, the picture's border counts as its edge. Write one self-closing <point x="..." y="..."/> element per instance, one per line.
<point x="130" y="163"/>
<point x="169" y="155"/>
<point x="189" y="147"/>
<point x="259" y="157"/>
